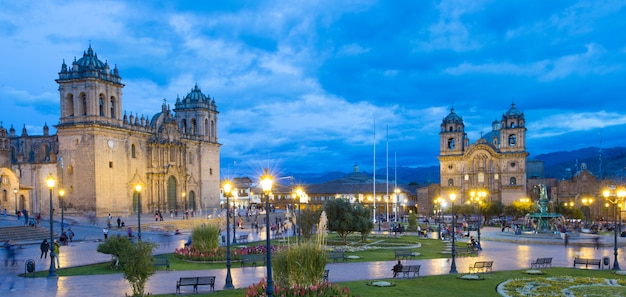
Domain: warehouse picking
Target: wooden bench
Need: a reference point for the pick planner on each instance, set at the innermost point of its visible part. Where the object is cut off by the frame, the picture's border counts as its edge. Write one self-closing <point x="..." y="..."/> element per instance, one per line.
<point x="162" y="262"/>
<point x="195" y="282"/>
<point x="403" y="254"/>
<point x="587" y="262"/>
<point x="541" y="263"/>
<point x="253" y="259"/>
<point x="335" y="256"/>
<point x="408" y="269"/>
<point x="242" y="238"/>
<point x="481" y="266"/>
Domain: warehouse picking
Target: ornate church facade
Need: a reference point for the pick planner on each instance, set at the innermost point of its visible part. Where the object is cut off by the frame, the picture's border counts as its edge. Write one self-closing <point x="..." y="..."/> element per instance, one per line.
<point x="495" y="163"/>
<point x="99" y="153"/>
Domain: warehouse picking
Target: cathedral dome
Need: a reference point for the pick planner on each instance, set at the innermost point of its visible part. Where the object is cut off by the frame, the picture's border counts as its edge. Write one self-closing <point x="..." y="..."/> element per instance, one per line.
<point x="452" y="117"/>
<point x="90" y="59"/>
<point x="513" y="111"/>
<point x="196" y="95"/>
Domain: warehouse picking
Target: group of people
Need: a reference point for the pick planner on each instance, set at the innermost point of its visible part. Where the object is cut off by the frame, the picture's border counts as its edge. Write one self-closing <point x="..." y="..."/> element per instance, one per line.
<point x="56" y="249"/>
<point x="10" y="251"/>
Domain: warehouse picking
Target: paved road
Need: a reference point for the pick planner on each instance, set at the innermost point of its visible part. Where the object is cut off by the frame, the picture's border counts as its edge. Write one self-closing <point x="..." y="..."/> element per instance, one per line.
<point x="514" y="254"/>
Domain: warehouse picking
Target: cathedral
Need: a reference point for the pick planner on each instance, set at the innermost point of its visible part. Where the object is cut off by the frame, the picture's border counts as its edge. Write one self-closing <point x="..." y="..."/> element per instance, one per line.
<point x="495" y="163"/>
<point x="100" y="154"/>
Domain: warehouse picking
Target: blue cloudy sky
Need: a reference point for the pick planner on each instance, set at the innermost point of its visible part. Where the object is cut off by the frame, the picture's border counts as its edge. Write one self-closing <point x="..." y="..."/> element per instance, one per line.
<point x="299" y="84"/>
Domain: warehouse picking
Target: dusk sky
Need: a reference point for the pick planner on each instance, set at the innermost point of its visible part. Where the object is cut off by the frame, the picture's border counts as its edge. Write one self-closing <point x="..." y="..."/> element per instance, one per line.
<point x="299" y="84"/>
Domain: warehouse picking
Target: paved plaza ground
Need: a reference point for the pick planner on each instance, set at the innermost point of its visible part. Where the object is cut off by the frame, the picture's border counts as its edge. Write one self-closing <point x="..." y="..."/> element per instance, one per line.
<point x="509" y="251"/>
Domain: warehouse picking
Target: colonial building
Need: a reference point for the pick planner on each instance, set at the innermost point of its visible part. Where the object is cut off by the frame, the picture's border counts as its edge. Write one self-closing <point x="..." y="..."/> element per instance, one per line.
<point x="496" y="162"/>
<point x="100" y="153"/>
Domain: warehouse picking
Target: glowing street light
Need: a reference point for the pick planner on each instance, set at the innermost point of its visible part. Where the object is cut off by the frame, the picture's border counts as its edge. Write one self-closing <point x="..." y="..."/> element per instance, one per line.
<point x="138" y="190"/>
<point x="453" y="265"/>
<point x="615" y="197"/>
<point x="52" y="271"/>
<point x="228" y="193"/>
<point x="266" y="184"/>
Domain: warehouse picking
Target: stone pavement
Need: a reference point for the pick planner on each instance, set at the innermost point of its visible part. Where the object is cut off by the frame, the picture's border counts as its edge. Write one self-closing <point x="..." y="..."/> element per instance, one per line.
<point x="507" y="250"/>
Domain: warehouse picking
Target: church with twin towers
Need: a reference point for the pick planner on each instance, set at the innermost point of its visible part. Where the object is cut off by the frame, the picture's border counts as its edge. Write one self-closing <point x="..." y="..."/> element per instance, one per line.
<point x="100" y="152"/>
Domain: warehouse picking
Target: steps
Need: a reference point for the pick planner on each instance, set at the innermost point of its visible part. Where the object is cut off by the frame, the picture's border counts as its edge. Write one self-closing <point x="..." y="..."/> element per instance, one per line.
<point x="22" y="234"/>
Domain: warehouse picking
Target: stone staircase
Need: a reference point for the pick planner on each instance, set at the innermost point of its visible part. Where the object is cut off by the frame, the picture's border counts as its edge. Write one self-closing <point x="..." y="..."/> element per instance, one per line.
<point x="24" y="234"/>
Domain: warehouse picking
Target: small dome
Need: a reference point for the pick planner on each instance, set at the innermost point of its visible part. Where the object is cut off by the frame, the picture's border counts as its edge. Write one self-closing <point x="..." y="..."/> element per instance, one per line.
<point x="513" y="111"/>
<point x="453" y="117"/>
<point x="90" y="59"/>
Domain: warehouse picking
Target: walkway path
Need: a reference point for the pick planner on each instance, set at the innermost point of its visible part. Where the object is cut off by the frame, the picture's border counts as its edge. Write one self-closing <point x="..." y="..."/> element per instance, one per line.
<point x="507" y="256"/>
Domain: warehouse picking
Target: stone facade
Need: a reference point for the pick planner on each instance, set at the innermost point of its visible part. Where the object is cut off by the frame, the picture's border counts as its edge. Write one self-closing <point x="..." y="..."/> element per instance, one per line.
<point x="99" y="153"/>
<point x="495" y="163"/>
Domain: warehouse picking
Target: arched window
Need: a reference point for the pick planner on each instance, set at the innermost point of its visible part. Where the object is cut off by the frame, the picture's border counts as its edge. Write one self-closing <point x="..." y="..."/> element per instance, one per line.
<point x="450" y="129"/>
<point x="451" y="143"/>
<point x="450" y="182"/>
<point x="112" y="107"/>
<point x="132" y="151"/>
<point x="184" y="124"/>
<point x="69" y="105"/>
<point x="83" y="101"/>
<point x="513" y="181"/>
<point x="512" y="124"/>
<point x="213" y="133"/>
<point x="101" y="105"/>
<point x="206" y="128"/>
<point x="194" y="127"/>
<point x="4" y="195"/>
<point x="512" y="140"/>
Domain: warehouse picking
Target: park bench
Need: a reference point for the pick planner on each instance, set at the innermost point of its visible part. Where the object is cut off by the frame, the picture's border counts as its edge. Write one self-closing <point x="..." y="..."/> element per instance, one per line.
<point x="325" y="276"/>
<point x="408" y="269"/>
<point x="587" y="262"/>
<point x="466" y="251"/>
<point x="541" y="263"/>
<point x="481" y="266"/>
<point x="162" y="262"/>
<point x="335" y="256"/>
<point x="195" y="282"/>
<point x="253" y="259"/>
<point x="403" y="254"/>
<point x="242" y="238"/>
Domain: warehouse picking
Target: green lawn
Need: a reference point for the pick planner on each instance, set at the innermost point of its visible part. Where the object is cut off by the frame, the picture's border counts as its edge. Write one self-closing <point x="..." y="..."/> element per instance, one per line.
<point x="448" y="285"/>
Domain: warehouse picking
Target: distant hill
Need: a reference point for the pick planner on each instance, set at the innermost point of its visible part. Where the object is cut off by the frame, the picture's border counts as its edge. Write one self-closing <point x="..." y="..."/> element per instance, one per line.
<point x="555" y="166"/>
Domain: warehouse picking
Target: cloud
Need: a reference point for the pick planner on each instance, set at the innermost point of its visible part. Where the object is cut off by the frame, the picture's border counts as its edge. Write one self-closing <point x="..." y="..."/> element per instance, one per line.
<point x="556" y="124"/>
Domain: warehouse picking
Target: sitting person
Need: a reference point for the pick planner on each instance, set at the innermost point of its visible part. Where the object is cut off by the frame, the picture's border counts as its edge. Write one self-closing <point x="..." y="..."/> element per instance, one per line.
<point x="188" y="243"/>
<point x="397" y="268"/>
<point x="177" y="232"/>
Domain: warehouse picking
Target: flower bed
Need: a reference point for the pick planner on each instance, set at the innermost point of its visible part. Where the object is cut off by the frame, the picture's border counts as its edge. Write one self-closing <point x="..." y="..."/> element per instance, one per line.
<point x="325" y="289"/>
<point x="219" y="254"/>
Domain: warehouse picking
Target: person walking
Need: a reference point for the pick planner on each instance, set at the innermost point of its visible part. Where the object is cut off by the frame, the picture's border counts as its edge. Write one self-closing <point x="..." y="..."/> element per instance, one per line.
<point x="25" y="212"/>
<point x="57" y="253"/>
<point x="70" y="235"/>
<point x="119" y="222"/>
<point x="105" y="232"/>
<point x="44" y="247"/>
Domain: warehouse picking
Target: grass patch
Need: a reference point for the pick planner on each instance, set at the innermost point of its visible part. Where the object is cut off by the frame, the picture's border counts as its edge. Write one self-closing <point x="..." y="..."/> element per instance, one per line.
<point x="442" y="285"/>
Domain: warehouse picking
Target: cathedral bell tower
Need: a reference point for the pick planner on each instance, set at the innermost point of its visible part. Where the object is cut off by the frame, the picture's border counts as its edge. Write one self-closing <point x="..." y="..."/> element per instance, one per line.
<point x="452" y="135"/>
<point x="513" y="131"/>
<point x="90" y="91"/>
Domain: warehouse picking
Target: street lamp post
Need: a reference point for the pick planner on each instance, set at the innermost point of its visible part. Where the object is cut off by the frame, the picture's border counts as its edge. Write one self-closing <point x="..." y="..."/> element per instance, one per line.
<point x="61" y="194"/>
<point x="138" y="190"/>
<point x="438" y="215"/>
<point x="266" y="184"/>
<point x="234" y="222"/>
<point x="52" y="271"/>
<point x="229" y="280"/>
<point x="453" y="265"/>
<point x="476" y="198"/>
<point x="299" y="193"/>
<point x="395" y="204"/>
<point x="15" y="199"/>
<point x="618" y="196"/>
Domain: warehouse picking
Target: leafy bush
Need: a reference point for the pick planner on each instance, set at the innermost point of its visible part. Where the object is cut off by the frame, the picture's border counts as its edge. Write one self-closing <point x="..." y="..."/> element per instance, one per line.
<point x="299" y="265"/>
<point x="205" y="238"/>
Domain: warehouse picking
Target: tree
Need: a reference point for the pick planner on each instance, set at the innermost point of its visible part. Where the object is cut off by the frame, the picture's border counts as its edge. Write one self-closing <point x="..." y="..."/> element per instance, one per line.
<point x="412" y="222"/>
<point x="135" y="258"/>
<point x="308" y="219"/>
<point x="344" y="218"/>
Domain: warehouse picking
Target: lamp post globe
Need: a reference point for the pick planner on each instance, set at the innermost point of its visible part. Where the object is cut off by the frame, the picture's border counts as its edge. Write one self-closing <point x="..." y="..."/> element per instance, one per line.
<point x="52" y="270"/>
<point x="453" y="264"/>
<point x="15" y="199"/>
<point x="266" y="184"/>
<point x="227" y="187"/>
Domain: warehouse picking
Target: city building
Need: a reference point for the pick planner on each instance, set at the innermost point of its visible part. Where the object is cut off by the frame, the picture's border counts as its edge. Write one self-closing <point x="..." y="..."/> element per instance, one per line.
<point x="100" y="152"/>
<point x="495" y="163"/>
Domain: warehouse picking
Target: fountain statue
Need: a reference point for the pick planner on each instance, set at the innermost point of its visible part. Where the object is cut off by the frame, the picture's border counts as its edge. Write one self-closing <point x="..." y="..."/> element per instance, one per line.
<point x="542" y="216"/>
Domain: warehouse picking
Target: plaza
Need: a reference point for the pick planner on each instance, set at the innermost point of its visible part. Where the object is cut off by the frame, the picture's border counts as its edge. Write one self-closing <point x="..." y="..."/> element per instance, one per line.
<point x="509" y="251"/>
